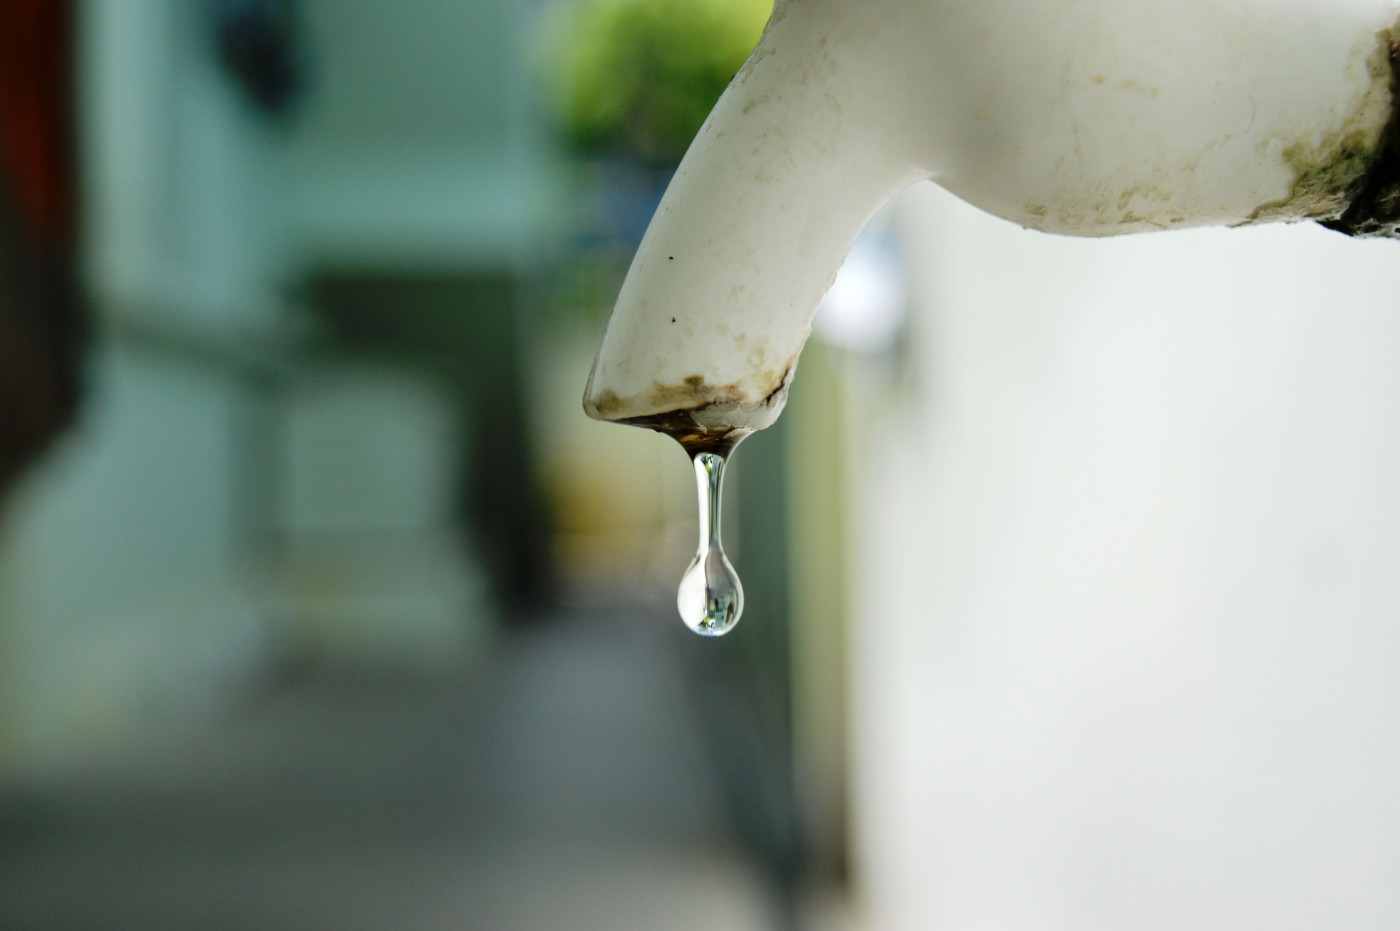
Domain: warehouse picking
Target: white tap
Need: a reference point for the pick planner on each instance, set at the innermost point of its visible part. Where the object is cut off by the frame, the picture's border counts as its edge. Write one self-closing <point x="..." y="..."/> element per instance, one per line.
<point x="1082" y="117"/>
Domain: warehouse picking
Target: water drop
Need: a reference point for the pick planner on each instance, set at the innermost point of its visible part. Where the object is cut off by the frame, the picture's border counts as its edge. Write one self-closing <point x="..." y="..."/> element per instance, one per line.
<point x="711" y="597"/>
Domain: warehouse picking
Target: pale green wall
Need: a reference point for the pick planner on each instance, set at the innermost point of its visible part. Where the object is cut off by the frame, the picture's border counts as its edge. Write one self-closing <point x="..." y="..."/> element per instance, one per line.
<point x="129" y="578"/>
<point x="419" y="147"/>
<point x="408" y="74"/>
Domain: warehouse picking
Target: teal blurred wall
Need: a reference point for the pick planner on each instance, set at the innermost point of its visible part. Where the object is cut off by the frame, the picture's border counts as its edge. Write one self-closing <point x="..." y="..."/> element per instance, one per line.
<point x="177" y="543"/>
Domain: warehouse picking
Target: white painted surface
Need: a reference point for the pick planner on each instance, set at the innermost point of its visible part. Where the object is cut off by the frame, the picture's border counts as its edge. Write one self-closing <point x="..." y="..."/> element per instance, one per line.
<point x="1127" y="634"/>
<point x="1086" y="117"/>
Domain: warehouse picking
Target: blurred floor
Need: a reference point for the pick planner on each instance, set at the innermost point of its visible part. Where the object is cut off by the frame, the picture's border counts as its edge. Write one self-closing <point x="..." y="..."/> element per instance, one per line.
<point x="564" y="786"/>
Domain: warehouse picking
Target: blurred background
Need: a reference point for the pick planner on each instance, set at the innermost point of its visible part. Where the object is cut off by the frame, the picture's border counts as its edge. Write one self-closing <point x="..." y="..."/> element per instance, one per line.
<point x="325" y="606"/>
<point x="1070" y="567"/>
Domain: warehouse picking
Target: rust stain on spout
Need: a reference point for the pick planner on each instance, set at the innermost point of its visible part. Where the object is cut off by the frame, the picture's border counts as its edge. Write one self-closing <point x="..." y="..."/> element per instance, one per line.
<point x="1374" y="210"/>
<point x="701" y="416"/>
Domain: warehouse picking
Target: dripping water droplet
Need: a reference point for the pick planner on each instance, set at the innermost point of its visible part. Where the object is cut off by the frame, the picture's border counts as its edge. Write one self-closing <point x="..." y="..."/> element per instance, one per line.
<point x="711" y="597"/>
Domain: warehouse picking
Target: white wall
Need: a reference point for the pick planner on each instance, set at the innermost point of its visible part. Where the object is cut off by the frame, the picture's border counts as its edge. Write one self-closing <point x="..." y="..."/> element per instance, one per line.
<point x="1126" y="636"/>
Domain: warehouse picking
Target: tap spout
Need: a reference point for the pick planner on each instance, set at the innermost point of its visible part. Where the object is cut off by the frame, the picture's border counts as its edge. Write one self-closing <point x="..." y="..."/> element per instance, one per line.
<point x="1080" y="117"/>
<point x="750" y="233"/>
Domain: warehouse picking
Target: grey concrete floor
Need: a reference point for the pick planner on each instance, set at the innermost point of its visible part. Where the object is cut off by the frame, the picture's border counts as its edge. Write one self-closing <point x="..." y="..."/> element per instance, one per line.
<point x="562" y="784"/>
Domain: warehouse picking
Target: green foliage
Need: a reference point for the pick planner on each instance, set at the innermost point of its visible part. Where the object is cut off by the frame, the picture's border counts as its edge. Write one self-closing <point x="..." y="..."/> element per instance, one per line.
<point x="638" y="77"/>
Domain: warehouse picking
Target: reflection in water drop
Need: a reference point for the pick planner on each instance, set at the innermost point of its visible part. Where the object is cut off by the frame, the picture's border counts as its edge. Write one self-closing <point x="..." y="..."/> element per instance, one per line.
<point x="711" y="597"/>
